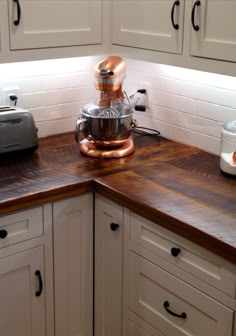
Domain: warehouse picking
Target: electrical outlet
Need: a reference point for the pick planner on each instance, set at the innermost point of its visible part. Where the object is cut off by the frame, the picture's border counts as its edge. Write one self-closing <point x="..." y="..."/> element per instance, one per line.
<point x="146" y="86"/>
<point x="11" y="92"/>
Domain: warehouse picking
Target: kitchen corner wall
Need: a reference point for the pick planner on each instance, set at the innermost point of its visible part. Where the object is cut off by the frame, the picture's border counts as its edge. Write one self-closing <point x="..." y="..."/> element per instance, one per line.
<point x="184" y="105"/>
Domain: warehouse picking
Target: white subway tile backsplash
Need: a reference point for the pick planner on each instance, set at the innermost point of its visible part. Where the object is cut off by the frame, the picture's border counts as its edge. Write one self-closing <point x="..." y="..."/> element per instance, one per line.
<point x="54" y="112"/>
<point x="187" y="121"/>
<point x="55" y="97"/>
<point x="181" y="134"/>
<point x="56" y="126"/>
<point x="195" y="91"/>
<point x="187" y="105"/>
<point x="200" y="77"/>
<point x="184" y="105"/>
<point x="192" y="106"/>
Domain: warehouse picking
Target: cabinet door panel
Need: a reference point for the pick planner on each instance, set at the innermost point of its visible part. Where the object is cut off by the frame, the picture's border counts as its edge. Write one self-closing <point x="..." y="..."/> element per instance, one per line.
<point x="147" y="24"/>
<point x="73" y="265"/>
<point x="21" y="311"/>
<point x="108" y="268"/>
<point x="216" y="37"/>
<point x="55" y="23"/>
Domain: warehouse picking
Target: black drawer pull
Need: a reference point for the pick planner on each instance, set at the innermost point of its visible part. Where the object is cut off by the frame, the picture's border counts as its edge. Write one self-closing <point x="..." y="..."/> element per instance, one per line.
<point x="175" y="25"/>
<point x="38" y="274"/>
<point x="114" y="226"/>
<point x="3" y="234"/>
<point x="17" y="21"/>
<point x="195" y="27"/>
<point x="166" y="305"/>
<point x="175" y="251"/>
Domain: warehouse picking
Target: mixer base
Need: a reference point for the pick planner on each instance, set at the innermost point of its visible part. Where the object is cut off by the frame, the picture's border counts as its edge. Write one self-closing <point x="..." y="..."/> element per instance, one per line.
<point x="89" y="149"/>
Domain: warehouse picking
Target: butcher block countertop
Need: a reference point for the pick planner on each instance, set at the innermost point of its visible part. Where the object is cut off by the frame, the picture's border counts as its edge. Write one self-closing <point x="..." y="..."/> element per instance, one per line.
<point x="177" y="186"/>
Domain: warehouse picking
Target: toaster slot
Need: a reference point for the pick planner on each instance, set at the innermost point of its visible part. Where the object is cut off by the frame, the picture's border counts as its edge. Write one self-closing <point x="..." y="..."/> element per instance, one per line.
<point x="12" y="146"/>
<point x="11" y="123"/>
<point x="6" y="108"/>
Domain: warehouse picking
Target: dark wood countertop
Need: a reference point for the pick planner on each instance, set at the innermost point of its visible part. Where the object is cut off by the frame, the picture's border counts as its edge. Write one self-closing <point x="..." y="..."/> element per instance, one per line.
<point x="177" y="186"/>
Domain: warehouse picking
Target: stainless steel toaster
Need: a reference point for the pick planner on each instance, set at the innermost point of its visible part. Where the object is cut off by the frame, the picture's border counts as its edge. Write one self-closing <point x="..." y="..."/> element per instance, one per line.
<point x="17" y="130"/>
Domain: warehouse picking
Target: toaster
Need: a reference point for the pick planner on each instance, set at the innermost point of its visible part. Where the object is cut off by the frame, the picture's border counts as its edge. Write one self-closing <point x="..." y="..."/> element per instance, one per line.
<point x="17" y="130"/>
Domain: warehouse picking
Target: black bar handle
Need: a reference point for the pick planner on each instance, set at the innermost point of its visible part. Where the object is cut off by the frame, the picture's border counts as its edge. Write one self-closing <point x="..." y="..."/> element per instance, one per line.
<point x="3" y="234"/>
<point x="114" y="226"/>
<point x="166" y="305"/>
<point x="38" y="274"/>
<point x="195" y="27"/>
<point x="175" y="251"/>
<point x="17" y="21"/>
<point x="175" y="25"/>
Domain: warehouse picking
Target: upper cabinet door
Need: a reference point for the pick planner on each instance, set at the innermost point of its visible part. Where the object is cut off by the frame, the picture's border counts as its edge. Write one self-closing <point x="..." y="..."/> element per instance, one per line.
<point x="54" y="23"/>
<point x="213" y="32"/>
<point x="149" y="24"/>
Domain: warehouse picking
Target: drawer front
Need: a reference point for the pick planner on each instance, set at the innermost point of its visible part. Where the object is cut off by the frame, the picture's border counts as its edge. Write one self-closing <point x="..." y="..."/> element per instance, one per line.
<point x="150" y="288"/>
<point x="182" y="253"/>
<point x="136" y="326"/>
<point x="136" y="330"/>
<point x="21" y="226"/>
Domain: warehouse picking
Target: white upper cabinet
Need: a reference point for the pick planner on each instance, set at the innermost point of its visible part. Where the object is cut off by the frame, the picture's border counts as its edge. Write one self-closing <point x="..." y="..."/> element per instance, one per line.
<point x="213" y="33"/>
<point x="54" y="23"/>
<point x="151" y="24"/>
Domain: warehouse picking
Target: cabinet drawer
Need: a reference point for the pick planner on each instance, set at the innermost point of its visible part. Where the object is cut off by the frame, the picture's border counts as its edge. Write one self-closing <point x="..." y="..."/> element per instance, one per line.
<point x="20" y="226"/>
<point x="150" y="287"/>
<point x="184" y="254"/>
<point x="137" y="326"/>
<point x="136" y="330"/>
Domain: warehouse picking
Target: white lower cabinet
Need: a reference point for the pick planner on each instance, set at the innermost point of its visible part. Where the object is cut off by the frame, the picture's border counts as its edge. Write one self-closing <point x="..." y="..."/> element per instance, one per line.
<point x="26" y="282"/>
<point x="22" y="305"/>
<point x="172" y="306"/>
<point x="34" y="243"/>
<point x="115" y="274"/>
<point x="73" y="266"/>
<point x="108" y="267"/>
<point x="169" y="285"/>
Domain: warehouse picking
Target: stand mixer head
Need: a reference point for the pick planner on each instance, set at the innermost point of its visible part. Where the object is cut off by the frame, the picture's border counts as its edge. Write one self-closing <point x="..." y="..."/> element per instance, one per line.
<point x="109" y="76"/>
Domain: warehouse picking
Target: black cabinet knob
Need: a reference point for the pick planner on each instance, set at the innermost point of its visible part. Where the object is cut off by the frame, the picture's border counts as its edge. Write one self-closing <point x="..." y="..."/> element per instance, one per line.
<point x="114" y="226"/>
<point x="175" y="251"/>
<point x="3" y="234"/>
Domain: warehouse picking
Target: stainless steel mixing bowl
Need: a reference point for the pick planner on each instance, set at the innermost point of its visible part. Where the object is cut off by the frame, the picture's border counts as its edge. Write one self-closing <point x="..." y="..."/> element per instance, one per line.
<point x="105" y="126"/>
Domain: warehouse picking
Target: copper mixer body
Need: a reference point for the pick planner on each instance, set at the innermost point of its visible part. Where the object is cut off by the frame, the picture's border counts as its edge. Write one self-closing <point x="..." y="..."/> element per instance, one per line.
<point x="108" y="136"/>
<point x="109" y="76"/>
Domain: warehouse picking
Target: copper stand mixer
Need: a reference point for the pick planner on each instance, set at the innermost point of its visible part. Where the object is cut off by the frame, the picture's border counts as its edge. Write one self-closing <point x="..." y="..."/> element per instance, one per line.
<point x="104" y="129"/>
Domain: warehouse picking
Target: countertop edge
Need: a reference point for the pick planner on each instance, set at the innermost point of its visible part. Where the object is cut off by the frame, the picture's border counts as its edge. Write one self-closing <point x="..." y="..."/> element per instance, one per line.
<point x="43" y="197"/>
<point x="173" y="224"/>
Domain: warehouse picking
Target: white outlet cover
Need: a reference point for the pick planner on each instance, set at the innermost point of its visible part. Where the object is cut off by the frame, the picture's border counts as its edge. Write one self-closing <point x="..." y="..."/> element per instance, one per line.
<point x="8" y="91"/>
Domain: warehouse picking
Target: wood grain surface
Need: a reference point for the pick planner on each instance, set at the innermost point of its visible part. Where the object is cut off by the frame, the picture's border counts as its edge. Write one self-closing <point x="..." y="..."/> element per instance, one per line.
<point x="180" y="187"/>
<point x="186" y="203"/>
